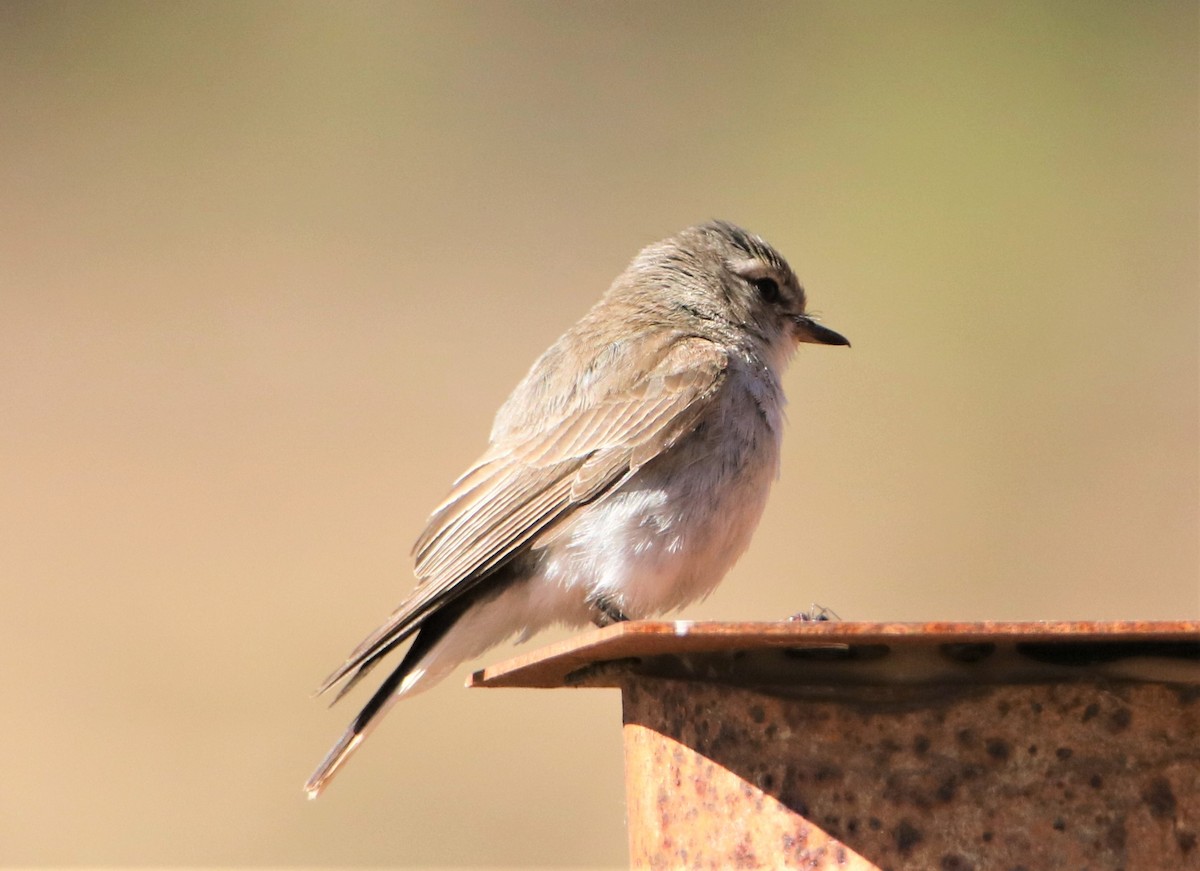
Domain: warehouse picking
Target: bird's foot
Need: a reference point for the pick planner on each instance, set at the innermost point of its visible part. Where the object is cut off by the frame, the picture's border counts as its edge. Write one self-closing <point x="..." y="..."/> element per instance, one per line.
<point x="606" y="612"/>
<point x="815" y="614"/>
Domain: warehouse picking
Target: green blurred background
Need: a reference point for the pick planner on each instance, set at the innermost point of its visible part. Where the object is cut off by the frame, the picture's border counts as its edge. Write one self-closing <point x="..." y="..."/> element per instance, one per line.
<point x="267" y="269"/>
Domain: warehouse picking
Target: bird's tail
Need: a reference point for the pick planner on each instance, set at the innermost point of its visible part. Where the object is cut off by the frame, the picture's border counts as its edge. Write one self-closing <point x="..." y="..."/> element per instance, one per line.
<point x="392" y="689"/>
<point x="333" y="760"/>
<point x="417" y="670"/>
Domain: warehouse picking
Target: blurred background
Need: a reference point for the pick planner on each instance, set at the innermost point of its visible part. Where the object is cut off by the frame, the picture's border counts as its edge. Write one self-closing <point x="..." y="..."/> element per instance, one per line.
<point x="268" y="269"/>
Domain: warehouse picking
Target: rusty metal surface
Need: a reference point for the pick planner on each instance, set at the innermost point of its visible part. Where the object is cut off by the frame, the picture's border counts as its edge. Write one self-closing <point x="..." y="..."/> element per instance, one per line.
<point x="572" y="662"/>
<point x="951" y="746"/>
<point x="1085" y="775"/>
<point x="687" y="811"/>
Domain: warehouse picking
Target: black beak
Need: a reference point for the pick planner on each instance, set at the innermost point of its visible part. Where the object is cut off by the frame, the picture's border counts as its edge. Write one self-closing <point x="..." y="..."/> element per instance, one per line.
<point x="808" y="330"/>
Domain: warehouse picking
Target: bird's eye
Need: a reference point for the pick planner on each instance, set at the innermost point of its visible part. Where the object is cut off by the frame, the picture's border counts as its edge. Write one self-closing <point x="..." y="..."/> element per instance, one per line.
<point x="768" y="289"/>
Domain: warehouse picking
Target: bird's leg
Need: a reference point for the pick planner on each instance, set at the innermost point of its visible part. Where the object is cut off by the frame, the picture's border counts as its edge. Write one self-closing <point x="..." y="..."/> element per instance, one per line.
<point x="606" y="612"/>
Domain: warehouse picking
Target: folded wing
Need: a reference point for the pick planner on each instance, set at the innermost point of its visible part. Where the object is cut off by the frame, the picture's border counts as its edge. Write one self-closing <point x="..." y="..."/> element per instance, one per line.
<point x="537" y="473"/>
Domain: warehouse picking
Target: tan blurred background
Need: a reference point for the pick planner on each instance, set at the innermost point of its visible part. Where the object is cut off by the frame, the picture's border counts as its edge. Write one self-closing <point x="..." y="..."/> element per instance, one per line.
<point x="267" y="269"/>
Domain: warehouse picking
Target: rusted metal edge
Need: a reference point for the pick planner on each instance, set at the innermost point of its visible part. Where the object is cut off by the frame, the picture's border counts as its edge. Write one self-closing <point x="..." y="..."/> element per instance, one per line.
<point x="553" y="665"/>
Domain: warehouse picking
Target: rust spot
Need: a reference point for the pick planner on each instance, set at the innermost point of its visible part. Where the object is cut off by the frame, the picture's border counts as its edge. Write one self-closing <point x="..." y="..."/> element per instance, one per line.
<point x="956" y="862"/>
<point x="921" y="745"/>
<point x="1120" y="719"/>
<point x="1063" y="753"/>
<point x="744" y="855"/>
<point x="1090" y="712"/>
<point x="1186" y="841"/>
<point x="826" y="773"/>
<point x="946" y="789"/>
<point x="1159" y="797"/>
<point x="1095" y="781"/>
<point x="999" y="749"/>
<point x="907" y="836"/>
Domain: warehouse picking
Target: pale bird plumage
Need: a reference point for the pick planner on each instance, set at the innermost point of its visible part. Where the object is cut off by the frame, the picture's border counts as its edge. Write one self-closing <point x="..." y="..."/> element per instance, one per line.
<point x="624" y="476"/>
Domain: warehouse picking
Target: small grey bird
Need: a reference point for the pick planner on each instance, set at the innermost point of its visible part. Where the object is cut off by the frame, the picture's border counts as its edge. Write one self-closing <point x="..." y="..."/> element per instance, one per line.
<point x="624" y="476"/>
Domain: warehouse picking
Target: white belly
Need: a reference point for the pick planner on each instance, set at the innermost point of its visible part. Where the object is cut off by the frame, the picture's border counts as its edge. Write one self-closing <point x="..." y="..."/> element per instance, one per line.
<point x="669" y="535"/>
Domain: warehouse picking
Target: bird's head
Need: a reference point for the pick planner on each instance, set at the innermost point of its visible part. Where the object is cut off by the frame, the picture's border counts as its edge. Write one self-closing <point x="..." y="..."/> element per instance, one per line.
<point x="720" y="274"/>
